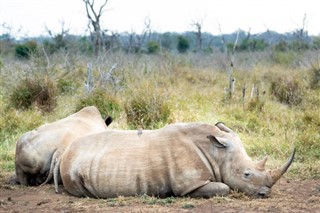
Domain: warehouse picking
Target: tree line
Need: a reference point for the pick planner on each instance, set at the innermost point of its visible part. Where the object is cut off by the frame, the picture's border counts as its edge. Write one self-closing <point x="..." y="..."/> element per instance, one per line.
<point x="153" y="43"/>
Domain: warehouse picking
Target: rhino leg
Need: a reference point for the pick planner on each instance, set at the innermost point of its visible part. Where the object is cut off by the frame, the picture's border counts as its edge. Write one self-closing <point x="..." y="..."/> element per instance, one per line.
<point x="21" y="177"/>
<point x="211" y="189"/>
<point x="14" y="180"/>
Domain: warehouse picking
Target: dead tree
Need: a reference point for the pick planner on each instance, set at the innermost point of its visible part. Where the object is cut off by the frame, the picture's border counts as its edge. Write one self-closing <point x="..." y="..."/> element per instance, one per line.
<point x="134" y="42"/>
<point x="59" y="39"/>
<point x="232" y="80"/>
<point x="198" y="26"/>
<point x="94" y="19"/>
<point x="302" y="34"/>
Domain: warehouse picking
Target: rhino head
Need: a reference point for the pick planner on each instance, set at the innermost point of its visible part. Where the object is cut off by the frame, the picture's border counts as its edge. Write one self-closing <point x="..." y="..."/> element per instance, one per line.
<point x="239" y="172"/>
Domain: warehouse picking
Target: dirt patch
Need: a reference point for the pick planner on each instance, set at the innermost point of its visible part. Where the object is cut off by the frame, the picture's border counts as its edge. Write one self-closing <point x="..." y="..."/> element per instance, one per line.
<point x="287" y="196"/>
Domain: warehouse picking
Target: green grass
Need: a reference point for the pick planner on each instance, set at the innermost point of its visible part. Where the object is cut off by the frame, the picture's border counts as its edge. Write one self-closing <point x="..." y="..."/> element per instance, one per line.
<point x="190" y="90"/>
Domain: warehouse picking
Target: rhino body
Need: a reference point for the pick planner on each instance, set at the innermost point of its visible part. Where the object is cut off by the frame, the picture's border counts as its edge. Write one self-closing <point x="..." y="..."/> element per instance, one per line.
<point x="191" y="159"/>
<point x="37" y="150"/>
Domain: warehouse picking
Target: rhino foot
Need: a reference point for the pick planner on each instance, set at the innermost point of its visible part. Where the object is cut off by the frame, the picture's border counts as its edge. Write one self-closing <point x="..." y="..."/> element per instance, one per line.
<point x="13" y="180"/>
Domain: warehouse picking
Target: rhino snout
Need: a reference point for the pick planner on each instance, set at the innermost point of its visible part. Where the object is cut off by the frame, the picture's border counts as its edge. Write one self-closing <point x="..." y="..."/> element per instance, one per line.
<point x="264" y="192"/>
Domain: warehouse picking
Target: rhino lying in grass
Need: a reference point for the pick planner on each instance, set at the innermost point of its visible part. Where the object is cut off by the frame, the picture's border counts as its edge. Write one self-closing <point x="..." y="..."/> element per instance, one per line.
<point x="192" y="159"/>
<point x="36" y="150"/>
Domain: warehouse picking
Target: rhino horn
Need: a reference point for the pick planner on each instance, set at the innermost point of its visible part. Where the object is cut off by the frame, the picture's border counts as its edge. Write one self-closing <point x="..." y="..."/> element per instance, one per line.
<point x="277" y="173"/>
<point x="261" y="164"/>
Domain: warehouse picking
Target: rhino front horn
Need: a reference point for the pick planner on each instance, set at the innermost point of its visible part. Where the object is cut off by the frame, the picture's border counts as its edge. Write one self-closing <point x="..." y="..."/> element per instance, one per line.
<point x="277" y="173"/>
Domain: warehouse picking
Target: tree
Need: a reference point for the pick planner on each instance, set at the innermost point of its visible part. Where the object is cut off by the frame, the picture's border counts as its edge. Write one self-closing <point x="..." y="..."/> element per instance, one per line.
<point x="183" y="44"/>
<point x="301" y="35"/>
<point x="94" y="18"/>
<point x="59" y="39"/>
<point x="198" y="26"/>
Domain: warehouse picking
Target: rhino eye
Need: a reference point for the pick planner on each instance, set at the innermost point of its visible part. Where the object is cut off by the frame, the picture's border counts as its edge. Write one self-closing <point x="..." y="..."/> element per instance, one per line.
<point x="247" y="174"/>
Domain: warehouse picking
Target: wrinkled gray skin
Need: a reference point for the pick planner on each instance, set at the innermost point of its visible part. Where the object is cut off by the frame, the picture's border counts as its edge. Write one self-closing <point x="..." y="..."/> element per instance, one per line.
<point x="37" y="150"/>
<point x="191" y="159"/>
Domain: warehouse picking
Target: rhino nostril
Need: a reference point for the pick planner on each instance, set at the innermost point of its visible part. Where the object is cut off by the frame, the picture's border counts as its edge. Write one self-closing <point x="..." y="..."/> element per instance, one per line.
<point x="262" y="194"/>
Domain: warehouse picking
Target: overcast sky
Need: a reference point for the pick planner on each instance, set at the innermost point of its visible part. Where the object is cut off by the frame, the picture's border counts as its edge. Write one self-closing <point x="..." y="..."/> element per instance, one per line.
<point x="32" y="17"/>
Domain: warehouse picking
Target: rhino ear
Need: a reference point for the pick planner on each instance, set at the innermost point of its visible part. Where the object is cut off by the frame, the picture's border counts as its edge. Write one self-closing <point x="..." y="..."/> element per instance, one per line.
<point x="218" y="142"/>
<point x="108" y="120"/>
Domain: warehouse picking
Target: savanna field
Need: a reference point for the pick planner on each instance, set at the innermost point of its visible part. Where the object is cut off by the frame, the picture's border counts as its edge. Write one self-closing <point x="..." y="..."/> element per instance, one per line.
<point x="274" y="106"/>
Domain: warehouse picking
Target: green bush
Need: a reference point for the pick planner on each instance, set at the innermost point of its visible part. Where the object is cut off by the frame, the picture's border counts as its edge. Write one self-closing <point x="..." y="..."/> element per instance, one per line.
<point x="315" y="78"/>
<point x="107" y="104"/>
<point x="148" y="111"/>
<point x="153" y="47"/>
<point x="287" y="89"/>
<point x="38" y="92"/>
<point x="283" y="58"/>
<point x="282" y="46"/>
<point x="65" y="86"/>
<point x="24" y="51"/>
<point x="256" y="104"/>
<point x="183" y="44"/>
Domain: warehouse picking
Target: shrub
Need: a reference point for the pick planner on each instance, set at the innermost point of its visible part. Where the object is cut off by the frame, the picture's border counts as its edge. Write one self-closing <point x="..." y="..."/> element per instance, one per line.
<point x="107" y="104"/>
<point x="183" y="44"/>
<point x="283" y="58"/>
<point x="256" y="104"/>
<point x="315" y="78"/>
<point x="287" y="90"/>
<point x="41" y="92"/>
<point x="147" y="111"/>
<point x="65" y="86"/>
<point x="24" y="51"/>
<point x="153" y="47"/>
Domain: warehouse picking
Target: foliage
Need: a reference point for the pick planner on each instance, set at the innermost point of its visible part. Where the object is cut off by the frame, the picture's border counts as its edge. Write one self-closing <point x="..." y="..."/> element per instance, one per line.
<point x="252" y="45"/>
<point x="282" y="46"/>
<point x="12" y="124"/>
<point x="315" y="78"/>
<point x="65" y="86"/>
<point x="24" y="51"/>
<point x="147" y="109"/>
<point x="6" y="43"/>
<point x="107" y="104"/>
<point x="316" y="43"/>
<point x="38" y="92"/>
<point x="299" y="45"/>
<point x="153" y="47"/>
<point x="287" y="90"/>
<point x="283" y="58"/>
<point x="183" y="44"/>
<point x="56" y="43"/>
<point x="85" y="45"/>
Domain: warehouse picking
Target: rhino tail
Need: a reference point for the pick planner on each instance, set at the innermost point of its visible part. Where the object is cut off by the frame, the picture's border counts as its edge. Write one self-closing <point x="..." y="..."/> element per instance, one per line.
<point x="52" y="165"/>
<point x="56" y="175"/>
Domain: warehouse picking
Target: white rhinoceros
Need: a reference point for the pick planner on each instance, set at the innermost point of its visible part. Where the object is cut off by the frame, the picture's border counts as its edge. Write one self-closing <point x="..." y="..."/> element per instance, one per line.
<point x="37" y="150"/>
<point x="191" y="159"/>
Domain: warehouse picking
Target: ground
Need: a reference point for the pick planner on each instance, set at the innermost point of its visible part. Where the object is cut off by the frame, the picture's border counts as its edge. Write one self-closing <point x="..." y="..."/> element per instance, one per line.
<point x="287" y="196"/>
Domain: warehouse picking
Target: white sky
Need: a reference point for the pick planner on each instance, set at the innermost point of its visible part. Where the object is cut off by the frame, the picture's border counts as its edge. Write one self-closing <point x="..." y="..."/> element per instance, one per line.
<point x="32" y="16"/>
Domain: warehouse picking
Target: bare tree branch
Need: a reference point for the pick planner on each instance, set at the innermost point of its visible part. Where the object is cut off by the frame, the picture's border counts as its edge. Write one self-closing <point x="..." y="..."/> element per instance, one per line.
<point x="94" y="18"/>
<point x="198" y="25"/>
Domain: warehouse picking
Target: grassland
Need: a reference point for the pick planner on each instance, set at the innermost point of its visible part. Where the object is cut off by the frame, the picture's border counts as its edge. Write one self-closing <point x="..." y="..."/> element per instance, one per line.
<point x="281" y="112"/>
